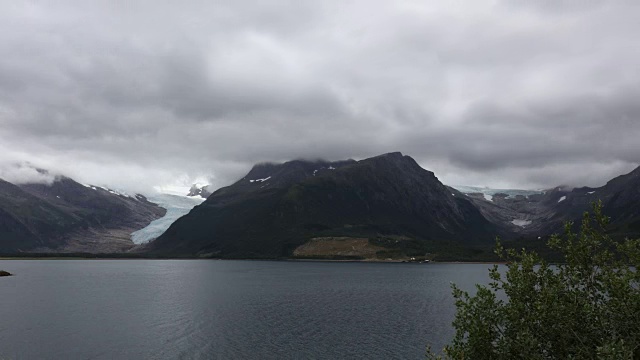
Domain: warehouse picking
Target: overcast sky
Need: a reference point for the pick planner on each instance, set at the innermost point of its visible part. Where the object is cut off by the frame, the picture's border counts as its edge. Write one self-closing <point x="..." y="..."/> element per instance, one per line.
<point x="134" y="94"/>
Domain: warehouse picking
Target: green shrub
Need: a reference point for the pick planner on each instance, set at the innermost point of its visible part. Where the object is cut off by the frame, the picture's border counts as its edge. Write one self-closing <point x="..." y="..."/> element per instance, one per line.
<point x="588" y="307"/>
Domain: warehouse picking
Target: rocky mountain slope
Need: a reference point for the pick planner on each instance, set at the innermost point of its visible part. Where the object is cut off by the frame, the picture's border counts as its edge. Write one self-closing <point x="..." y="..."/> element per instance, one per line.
<point x="66" y="216"/>
<point x="197" y="190"/>
<point x="388" y="200"/>
<point x="545" y="213"/>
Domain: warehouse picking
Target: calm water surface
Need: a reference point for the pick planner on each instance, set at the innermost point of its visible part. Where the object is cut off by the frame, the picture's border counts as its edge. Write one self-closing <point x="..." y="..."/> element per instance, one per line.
<point x="203" y="309"/>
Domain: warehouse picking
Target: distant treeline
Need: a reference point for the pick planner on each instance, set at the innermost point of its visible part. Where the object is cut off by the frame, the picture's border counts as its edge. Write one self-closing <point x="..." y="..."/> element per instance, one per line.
<point x="435" y="251"/>
<point x="81" y="255"/>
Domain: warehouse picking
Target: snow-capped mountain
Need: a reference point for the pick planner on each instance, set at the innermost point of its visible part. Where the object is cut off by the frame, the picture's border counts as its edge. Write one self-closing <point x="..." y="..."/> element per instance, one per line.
<point x="62" y="215"/>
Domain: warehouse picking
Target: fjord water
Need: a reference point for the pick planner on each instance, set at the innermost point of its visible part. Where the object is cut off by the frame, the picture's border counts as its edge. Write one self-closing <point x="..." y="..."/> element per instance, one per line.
<point x="172" y="309"/>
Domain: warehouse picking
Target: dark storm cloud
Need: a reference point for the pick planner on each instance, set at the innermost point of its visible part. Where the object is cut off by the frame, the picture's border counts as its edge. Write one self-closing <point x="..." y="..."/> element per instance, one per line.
<point x="498" y="93"/>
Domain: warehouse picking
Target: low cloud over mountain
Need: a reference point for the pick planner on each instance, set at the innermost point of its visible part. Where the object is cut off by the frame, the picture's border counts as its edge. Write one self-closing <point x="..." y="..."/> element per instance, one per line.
<point x="499" y="93"/>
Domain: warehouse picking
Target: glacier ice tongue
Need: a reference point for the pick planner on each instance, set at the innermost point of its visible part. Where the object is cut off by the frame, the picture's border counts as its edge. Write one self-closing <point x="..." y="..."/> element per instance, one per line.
<point x="176" y="206"/>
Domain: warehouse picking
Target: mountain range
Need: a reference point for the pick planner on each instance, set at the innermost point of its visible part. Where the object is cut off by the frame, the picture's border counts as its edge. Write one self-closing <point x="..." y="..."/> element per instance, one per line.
<point x="387" y="202"/>
<point x="66" y="216"/>
<point x="384" y="207"/>
<point x="545" y="212"/>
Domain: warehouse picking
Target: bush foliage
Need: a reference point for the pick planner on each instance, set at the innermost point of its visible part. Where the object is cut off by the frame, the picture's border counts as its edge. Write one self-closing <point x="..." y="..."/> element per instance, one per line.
<point x="585" y="308"/>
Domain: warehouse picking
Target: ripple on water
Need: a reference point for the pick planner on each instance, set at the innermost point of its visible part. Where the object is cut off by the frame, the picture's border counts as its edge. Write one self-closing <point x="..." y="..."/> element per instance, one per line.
<point x="199" y="309"/>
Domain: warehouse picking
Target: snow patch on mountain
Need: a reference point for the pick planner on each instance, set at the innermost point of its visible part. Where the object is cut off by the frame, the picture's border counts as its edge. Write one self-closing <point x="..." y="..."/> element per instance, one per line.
<point x="111" y="191"/>
<point x="521" y="223"/>
<point x="260" y="180"/>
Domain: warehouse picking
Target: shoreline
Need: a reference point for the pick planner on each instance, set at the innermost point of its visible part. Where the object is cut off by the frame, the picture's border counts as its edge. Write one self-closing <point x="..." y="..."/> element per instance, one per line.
<point x="9" y="258"/>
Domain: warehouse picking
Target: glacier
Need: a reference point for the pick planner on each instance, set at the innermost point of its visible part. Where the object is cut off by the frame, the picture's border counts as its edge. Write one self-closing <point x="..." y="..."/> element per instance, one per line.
<point x="176" y="205"/>
<point x="511" y="193"/>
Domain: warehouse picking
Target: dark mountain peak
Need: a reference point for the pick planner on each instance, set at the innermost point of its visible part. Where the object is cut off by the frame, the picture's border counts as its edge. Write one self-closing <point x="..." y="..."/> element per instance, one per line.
<point x="623" y="180"/>
<point x="391" y="167"/>
<point x="272" y="175"/>
<point x="391" y="158"/>
<point x="400" y="164"/>
<point x="392" y="155"/>
<point x="278" y="207"/>
<point x="199" y="190"/>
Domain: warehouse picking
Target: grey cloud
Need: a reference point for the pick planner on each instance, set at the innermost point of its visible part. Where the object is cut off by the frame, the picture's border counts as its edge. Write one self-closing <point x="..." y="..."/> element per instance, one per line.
<point x="484" y="93"/>
<point x="566" y="131"/>
<point x="25" y="173"/>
